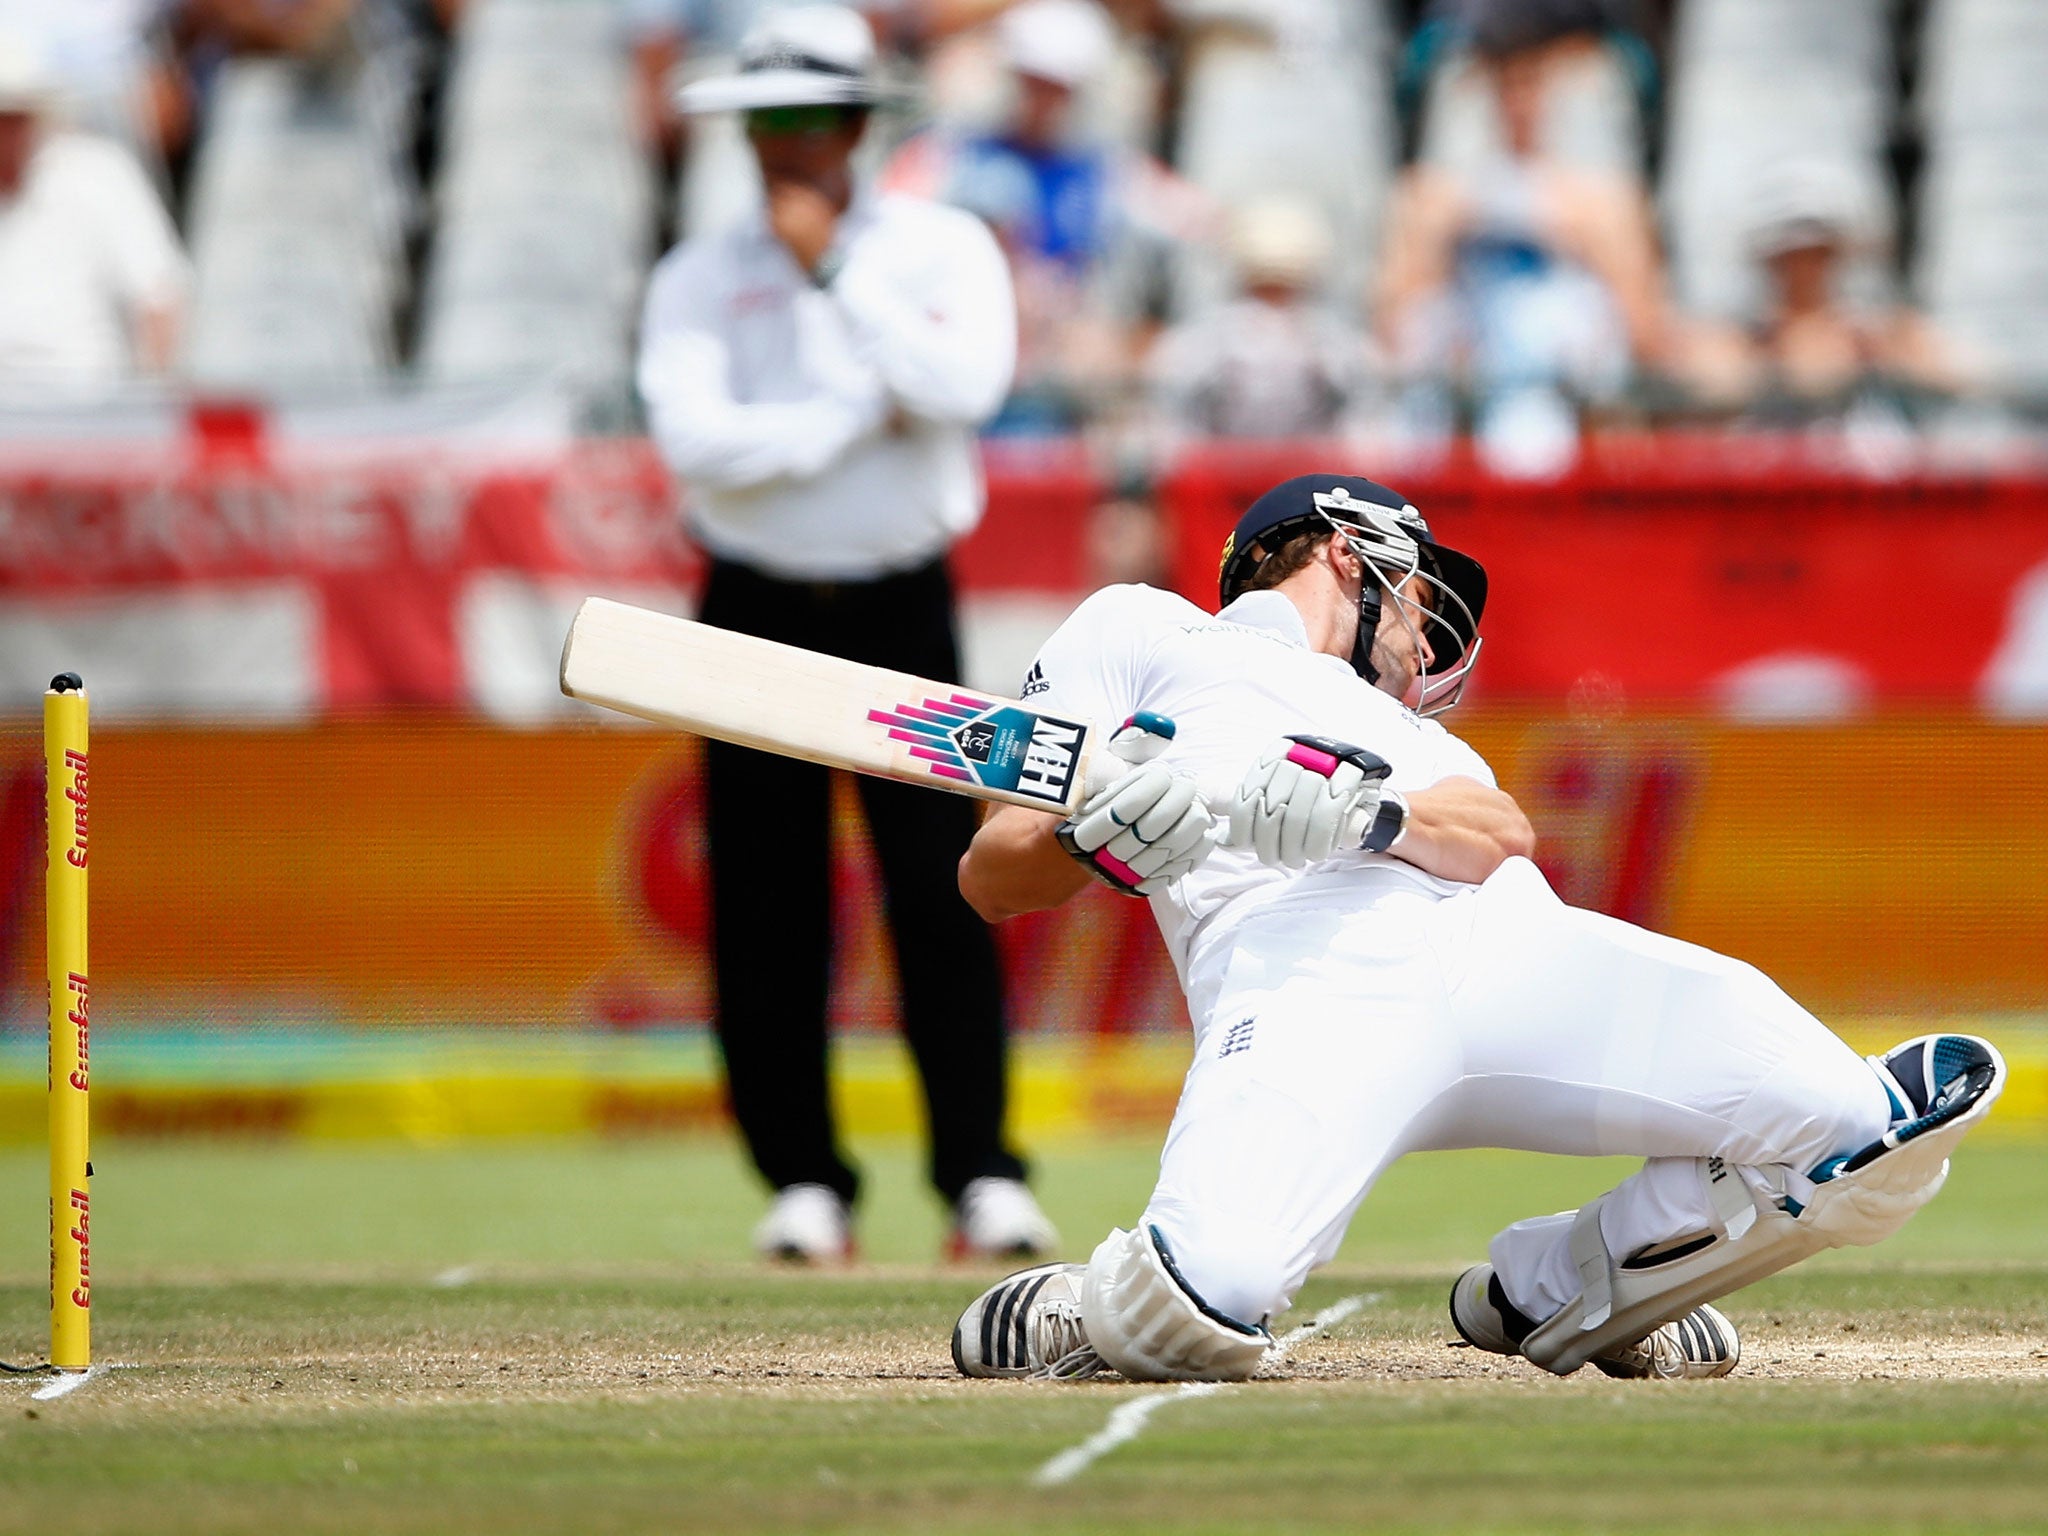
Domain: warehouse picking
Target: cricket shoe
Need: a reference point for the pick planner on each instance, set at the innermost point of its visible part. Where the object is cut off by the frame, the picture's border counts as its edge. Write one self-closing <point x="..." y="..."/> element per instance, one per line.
<point x="1700" y="1344"/>
<point x="807" y="1224"/>
<point x="997" y="1219"/>
<point x="1028" y="1325"/>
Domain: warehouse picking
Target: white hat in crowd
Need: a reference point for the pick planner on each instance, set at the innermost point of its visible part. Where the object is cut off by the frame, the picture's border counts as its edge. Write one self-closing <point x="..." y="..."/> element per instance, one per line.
<point x="1065" y="41"/>
<point x="1280" y="239"/>
<point x="796" y="56"/>
<point x="26" y="84"/>
<point x="1806" y="202"/>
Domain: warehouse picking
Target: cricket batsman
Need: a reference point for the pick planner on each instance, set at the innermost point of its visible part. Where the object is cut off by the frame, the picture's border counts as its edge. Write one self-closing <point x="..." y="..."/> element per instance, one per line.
<point x="1374" y="966"/>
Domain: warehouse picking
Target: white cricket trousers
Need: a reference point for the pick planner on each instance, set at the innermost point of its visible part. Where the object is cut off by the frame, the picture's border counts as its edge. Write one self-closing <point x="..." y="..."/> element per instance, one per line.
<point x="1330" y="1043"/>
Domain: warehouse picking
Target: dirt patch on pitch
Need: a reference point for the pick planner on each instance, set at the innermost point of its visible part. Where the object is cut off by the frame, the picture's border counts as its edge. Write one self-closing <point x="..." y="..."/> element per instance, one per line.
<point x="1769" y="1352"/>
<point x="531" y="1370"/>
<point x="1345" y="1355"/>
<point x="582" y="1363"/>
<point x="1864" y="1352"/>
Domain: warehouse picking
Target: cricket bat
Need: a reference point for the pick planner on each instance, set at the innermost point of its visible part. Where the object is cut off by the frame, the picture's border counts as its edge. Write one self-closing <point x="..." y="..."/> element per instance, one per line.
<point x="781" y="698"/>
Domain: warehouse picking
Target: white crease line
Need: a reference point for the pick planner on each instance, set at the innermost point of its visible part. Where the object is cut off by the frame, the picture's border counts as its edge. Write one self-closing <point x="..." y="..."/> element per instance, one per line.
<point x="1127" y="1420"/>
<point x="1124" y="1423"/>
<point x="454" y="1279"/>
<point x="1329" y="1317"/>
<point x="66" y="1384"/>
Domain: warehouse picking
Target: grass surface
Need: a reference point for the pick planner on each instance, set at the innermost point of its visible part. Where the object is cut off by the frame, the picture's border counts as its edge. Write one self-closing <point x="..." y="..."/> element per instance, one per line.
<point x="570" y="1337"/>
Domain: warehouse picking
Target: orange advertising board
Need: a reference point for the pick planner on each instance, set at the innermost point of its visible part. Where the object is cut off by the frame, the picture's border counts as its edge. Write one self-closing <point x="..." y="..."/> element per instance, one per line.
<point x="430" y="870"/>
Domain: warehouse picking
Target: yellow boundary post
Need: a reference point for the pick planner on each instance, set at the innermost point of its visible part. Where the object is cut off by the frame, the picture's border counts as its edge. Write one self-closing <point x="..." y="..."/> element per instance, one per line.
<point x="66" y="788"/>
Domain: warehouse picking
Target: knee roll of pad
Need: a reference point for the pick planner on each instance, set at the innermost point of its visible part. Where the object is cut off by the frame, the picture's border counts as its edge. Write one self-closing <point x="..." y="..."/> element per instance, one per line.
<point x="1144" y="1321"/>
<point x="1768" y="1219"/>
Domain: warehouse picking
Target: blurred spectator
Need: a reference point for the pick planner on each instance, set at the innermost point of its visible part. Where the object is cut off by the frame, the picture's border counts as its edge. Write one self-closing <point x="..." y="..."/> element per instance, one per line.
<point x="1523" y="282"/>
<point x="298" y="28"/>
<point x="1088" y="223"/>
<point x="657" y="31"/>
<point x="111" y="67"/>
<point x="1603" y="72"/>
<point x="392" y="37"/>
<point x="92" y="281"/>
<point x="1814" y="354"/>
<point x="370" y="62"/>
<point x="938" y="19"/>
<point x="394" y="33"/>
<point x="966" y="79"/>
<point x="664" y="35"/>
<point x="1126" y="540"/>
<point x="1272" y="362"/>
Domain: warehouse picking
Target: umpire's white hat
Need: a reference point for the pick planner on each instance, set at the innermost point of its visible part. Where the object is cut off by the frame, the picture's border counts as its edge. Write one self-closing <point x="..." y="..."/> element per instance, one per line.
<point x="795" y="56"/>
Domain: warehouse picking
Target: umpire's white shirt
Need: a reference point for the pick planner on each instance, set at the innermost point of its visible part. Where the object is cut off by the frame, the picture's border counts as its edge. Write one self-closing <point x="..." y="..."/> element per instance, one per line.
<point x="1233" y="684"/>
<point x="829" y="434"/>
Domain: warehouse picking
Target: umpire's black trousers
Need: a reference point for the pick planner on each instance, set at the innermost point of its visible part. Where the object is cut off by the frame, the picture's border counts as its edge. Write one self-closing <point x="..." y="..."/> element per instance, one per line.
<point x="771" y="905"/>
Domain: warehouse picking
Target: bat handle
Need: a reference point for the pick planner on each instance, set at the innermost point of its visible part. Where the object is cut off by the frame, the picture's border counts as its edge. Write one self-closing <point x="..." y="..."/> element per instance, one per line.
<point x="1137" y="741"/>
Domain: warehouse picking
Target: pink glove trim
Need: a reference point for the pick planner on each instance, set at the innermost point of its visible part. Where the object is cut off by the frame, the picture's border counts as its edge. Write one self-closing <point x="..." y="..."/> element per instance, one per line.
<point x="1116" y="866"/>
<point x="1312" y="760"/>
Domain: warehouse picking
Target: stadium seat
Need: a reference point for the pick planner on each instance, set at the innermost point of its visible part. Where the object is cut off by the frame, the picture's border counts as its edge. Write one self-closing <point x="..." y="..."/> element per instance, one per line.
<point x="546" y="207"/>
<point x="297" y="225"/>
<point x="1981" y="272"/>
<point x="1757" y="84"/>
<point x="585" y="349"/>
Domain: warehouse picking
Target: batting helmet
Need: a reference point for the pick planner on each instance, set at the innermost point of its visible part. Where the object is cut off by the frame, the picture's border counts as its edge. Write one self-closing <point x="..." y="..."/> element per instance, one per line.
<point x="1384" y="530"/>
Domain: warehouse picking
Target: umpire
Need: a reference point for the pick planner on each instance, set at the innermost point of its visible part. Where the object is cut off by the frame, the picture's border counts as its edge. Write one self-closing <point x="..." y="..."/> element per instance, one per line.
<point x="816" y="374"/>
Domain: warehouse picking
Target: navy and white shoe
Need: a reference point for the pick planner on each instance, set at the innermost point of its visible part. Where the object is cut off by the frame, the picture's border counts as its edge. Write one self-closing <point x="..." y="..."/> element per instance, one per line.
<point x="1703" y="1343"/>
<point x="1699" y="1345"/>
<point x="1028" y="1325"/>
<point x="1933" y="1081"/>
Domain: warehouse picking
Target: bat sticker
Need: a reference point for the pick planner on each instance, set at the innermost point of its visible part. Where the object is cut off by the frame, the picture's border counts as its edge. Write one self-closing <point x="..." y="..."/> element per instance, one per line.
<point x="996" y="745"/>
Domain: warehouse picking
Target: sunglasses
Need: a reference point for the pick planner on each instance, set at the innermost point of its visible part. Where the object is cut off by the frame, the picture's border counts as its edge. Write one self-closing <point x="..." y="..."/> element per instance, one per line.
<point x="778" y="122"/>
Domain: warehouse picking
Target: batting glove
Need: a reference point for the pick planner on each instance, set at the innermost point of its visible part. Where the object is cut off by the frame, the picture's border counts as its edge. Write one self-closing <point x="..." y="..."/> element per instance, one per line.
<point x="1309" y="797"/>
<point x="1147" y="827"/>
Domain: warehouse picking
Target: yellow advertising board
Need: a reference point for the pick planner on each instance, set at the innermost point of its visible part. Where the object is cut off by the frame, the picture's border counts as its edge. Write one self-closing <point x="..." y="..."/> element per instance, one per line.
<point x="487" y="887"/>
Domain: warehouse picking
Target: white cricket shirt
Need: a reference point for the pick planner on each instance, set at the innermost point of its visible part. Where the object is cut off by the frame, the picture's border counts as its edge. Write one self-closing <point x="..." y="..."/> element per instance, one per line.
<point x="1233" y="684"/>
<point x="829" y="434"/>
<point x="84" y="246"/>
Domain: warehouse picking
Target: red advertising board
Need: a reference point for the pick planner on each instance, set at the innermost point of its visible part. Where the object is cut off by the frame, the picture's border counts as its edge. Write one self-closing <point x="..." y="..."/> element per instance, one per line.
<point x="1779" y="588"/>
<point x="1673" y="576"/>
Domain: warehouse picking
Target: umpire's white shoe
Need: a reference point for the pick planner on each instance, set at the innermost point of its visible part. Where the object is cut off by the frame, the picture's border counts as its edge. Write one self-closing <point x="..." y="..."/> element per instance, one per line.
<point x="997" y="1219"/>
<point x="1702" y="1343"/>
<point x="1028" y="1325"/>
<point x="807" y="1224"/>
